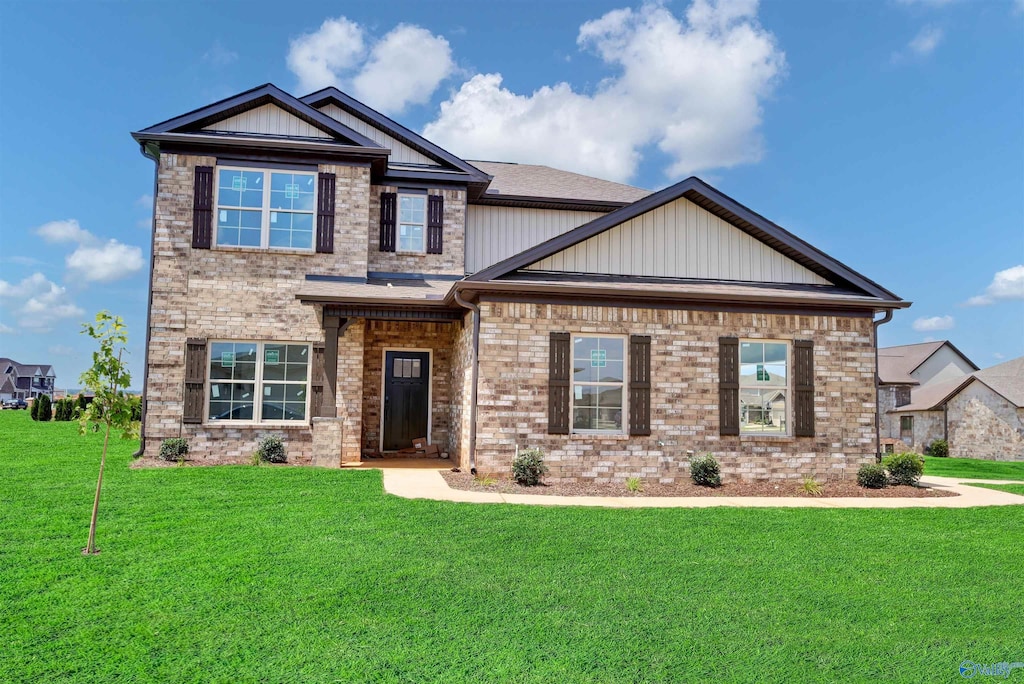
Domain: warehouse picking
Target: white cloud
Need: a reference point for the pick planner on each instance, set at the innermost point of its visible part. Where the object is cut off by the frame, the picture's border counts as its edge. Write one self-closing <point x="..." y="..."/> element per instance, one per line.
<point x="1018" y="6"/>
<point x="1005" y="285"/>
<point x="38" y="303"/>
<point x="61" y="350"/>
<point x="105" y="263"/>
<point x="319" y="58"/>
<point x="220" y="56"/>
<point x="996" y="355"/>
<point x="6" y="330"/>
<point x="693" y="86"/>
<point x="934" y="323"/>
<point x="145" y="201"/>
<point x="926" y="40"/>
<point x="64" y="231"/>
<point x="402" y="68"/>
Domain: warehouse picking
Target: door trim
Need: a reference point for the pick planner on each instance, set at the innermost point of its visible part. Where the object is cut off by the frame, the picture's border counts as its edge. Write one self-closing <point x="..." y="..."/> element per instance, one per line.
<point x="383" y="382"/>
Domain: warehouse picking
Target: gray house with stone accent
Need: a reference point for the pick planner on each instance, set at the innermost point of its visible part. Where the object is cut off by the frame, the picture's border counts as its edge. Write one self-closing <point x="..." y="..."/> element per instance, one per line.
<point x="25" y="380"/>
<point x="323" y="273"/>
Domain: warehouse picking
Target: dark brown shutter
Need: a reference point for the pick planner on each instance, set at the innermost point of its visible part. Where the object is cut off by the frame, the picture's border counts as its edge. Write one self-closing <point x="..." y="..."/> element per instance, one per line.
<point x="325" y="214"/>
<point x="728" y="386"/>
<point x="195" y="380"/>
<point x="559" y="384"/>
<point x="316" y="382"/>
<point x="202" y="208"/>
<point x="435" y="224"/>
<point x="639" y="384"/>
<point x="803" y="388"/>
<point x="388" y="207"/>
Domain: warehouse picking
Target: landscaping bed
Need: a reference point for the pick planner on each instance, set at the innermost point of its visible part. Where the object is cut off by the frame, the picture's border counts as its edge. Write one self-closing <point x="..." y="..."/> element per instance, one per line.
<point x="468" y="482"/>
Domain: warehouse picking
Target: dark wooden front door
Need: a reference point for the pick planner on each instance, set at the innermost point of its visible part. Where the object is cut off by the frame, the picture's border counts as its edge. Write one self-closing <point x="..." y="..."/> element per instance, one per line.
<point x="406" y="397"/>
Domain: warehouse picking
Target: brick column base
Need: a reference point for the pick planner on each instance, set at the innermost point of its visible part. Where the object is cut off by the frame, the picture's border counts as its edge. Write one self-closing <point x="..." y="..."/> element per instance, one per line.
<point x="327" y="437"/>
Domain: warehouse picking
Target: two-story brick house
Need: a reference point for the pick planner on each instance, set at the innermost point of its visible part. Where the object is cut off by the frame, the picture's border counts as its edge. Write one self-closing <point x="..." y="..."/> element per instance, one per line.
<point x="321" y="272"/>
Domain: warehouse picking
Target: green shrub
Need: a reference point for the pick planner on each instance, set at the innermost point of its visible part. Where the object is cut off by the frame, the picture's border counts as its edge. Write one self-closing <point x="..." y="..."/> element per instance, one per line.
<point x="135" y="404"/>
<point x="45" y="412"/>
<point x="905" y="468"/>
<point x="634" y="485"/>
<point x="939" y="448"/>
<point x="81" y="401"/>
<point x="705" y="472"/>
<point x="528" y="467"/>
<point x="811" y="486"/>
<point x="872" y="476"/>
<point x="34" y="409"/>
<point x="271" y="450"/>
<point x="174" y="449"/>
<point x="64" y="409"/>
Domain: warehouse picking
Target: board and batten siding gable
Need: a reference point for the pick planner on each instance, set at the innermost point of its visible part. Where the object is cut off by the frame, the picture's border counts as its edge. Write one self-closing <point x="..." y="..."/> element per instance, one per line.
<point x="268" y="119"/>
<point x="400" y="152"/>
<point x="679" y="240"/>
<point x="496" y="233"/>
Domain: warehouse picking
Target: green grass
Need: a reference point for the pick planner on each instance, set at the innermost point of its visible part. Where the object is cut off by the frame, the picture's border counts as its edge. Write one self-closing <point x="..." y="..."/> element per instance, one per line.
<point x="974" y="468"/>
<point x="278" y="574"/>
<point x="1011" y="488"/>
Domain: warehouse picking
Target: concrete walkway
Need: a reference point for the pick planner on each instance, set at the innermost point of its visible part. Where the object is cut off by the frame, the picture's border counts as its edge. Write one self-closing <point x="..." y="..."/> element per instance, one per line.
<point x="422" y="480"/>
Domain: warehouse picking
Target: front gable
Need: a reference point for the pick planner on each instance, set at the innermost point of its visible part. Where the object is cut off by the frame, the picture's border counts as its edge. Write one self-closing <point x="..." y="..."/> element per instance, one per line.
<point x="679" y="240"/>
<point x="269" y="119"/>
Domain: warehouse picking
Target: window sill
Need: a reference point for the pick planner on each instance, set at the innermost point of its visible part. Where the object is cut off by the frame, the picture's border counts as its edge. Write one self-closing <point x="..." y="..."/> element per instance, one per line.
<point x="615" y="436"/>
<point x="767" y="436"/>
<point x="293" y="425"/>
<point x="262" y="250"/>
<point x="405" y="252"/>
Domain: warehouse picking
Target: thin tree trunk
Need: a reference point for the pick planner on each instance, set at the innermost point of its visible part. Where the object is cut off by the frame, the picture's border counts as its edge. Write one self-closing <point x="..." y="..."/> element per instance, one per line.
<point x="90" y="548"/>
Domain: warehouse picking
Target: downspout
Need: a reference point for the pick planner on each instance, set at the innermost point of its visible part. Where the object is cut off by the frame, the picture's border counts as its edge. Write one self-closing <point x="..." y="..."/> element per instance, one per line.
<point x="878" y="421"/>
<point x="149" y="306"/>
<point x="476" y="372"/>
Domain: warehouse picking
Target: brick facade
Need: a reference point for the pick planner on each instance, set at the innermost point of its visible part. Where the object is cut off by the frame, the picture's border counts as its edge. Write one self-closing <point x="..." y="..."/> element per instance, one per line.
<point x="684" y="416"/>
<point x="450" y="262"/>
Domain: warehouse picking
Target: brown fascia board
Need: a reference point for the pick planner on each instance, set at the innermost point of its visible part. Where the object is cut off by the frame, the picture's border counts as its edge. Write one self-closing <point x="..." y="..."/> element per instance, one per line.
<point x="256" y="97"/>
<point x="394" y="129"/>
<point x="251" y="142"/>
<point x="613" y="296"/>
<point x="532" y="202"/>
<point x="756" y="225"/>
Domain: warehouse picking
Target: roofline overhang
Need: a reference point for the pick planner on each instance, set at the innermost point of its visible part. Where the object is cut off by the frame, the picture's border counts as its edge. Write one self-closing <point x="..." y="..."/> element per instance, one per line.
<point x="472" y="290"/>
<point x="564" y="203"/>
<point x="249" y="142"/>
<point x="396" y="130"/>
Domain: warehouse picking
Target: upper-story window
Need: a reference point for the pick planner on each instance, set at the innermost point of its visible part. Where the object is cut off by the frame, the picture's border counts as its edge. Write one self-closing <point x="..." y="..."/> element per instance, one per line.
<point x="265" y="208"/>
<point x="412" y="223"/>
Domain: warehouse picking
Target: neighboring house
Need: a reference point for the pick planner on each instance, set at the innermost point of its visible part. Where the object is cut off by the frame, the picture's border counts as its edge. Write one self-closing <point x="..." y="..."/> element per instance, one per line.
<point x="25" y="380"/>
<point x="902" y="372"/>
<point x="981" y="414"/>
<point x="324" y="273"/>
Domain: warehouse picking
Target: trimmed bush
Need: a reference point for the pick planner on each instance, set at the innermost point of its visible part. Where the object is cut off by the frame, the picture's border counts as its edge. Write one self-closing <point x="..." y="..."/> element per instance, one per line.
<point x="705" y="472"/>
<point x="872" y="476"/>
<point x="64" y="409"/>
<point x="45" y="412"/>
<point x="528" y="467"/>
<point x="904" y="469"/>
<point x="81" y="401"/>
<point x="174" y="449"/>
<point x="939" y="448"/>
<point x="271" y="450"/>
<point x="34" y="409"/>
<point x="136" y="404"/>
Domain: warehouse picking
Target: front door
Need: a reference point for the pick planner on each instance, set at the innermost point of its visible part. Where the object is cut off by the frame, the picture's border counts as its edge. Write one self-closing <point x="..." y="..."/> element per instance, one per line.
<point x="406" y="397"/>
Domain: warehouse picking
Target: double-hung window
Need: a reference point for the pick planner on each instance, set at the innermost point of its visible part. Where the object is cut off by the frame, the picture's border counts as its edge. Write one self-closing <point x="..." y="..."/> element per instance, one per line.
<point x="598" y="371"/>
<point x="412" y="223"/>
<point x="764" y="387"/>
<point x="265" y="208"/>
<point x="258" y="382"/>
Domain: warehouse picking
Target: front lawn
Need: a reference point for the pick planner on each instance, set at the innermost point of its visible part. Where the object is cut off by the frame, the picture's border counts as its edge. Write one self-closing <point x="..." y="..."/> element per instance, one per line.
<point x="1011" y="488"/>
<point x="280" y="574"/>
<point x="974" y="468"/>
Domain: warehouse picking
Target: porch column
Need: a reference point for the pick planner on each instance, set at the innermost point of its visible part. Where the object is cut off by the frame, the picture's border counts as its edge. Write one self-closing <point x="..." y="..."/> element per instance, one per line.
<point x="329" y="407"/>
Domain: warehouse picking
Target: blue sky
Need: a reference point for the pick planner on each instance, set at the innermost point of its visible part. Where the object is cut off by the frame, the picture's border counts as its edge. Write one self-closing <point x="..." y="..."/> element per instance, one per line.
<point x="890" y="134"/>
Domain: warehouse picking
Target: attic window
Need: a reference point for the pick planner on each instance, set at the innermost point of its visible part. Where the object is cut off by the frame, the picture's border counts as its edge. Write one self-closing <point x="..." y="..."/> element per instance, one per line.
<point x="264" y="208"/>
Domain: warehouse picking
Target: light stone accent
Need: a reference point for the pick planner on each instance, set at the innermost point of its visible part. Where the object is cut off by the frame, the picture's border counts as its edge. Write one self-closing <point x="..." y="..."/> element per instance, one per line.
<point x="327" y="440"/>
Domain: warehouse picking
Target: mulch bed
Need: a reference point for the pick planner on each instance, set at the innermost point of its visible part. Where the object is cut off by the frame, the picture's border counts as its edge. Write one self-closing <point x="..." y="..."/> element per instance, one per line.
<point x="466" y="481"/>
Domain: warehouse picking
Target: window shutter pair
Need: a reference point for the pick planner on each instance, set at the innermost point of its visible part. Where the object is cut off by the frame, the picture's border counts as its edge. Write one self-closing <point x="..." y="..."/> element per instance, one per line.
<point x="560" y="383"/>
<point x="729" y="387"/>
<point x="389" y="222"/>
<point x="202" y="210"/>
<point x="195" y="381"/>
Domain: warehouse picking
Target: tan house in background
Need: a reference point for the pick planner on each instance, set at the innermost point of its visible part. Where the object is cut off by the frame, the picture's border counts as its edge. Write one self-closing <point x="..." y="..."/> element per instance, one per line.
<point x="323" y="273"/>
